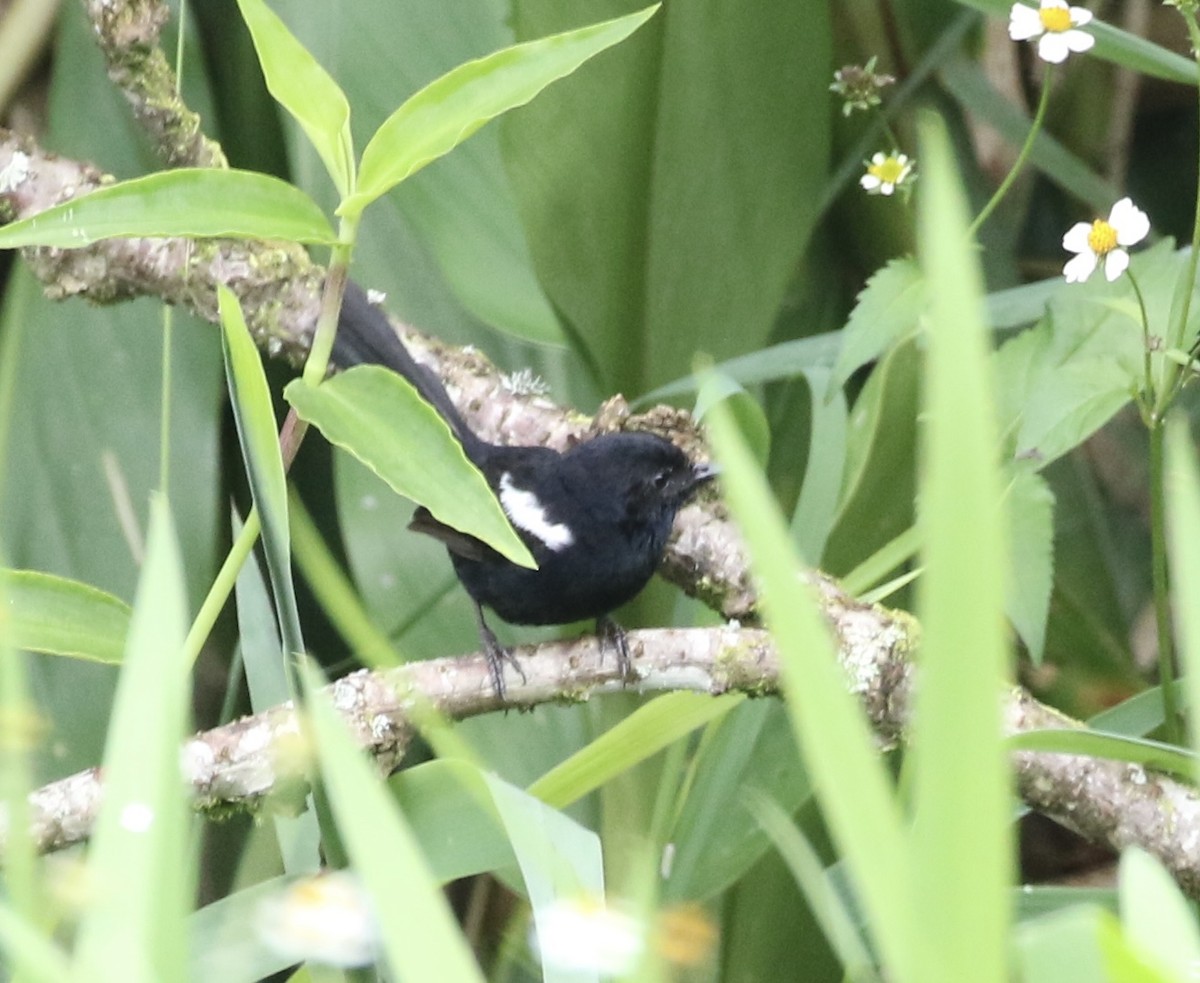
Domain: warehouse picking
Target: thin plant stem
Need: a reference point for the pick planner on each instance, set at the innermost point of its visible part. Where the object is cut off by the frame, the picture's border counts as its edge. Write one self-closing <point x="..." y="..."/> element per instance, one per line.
<point x="1162" y="610"/>
<point x="1148" y="399"/>
<point x="1034" y="128"/>
<point x="164" y="423"/>
<point x="222" y="586"/>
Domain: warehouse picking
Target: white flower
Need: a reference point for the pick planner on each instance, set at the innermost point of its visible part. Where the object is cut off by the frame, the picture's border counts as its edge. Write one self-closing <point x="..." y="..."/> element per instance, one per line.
<point x="326" y="918"/>
<point x="586" y="935"/>
<point x="1103" y="240"/>
<point x="887" y="172"/>
<point x="1054" y="25"/>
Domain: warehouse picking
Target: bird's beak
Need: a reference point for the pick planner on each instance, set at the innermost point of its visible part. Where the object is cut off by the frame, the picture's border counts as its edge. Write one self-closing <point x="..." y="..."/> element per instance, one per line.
<point x="704" y="471"/>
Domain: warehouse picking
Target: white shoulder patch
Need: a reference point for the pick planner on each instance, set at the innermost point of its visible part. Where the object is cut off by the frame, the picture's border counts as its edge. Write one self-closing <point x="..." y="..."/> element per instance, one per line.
<point x="525" y="512"/>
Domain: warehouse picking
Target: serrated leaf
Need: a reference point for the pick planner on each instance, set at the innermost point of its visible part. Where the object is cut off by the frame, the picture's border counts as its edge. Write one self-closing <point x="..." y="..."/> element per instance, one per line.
<point x="60" y="616"/>
<point x="887" y="311"/>
<point x="379" y="418"/>
<point x="451" y="108"/>
<point x="305" y="90"/>
<point x="201" y="202"/>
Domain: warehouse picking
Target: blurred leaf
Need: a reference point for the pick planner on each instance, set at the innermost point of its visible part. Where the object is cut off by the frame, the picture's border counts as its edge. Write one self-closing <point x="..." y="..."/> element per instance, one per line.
<point x="380" y="419"/>
<point x="139" y="864"/>
<point x="966" y="82"/>
<point x="254" y="415"/>
<point x="1183" y="531"/>
<point x="1038" y="900"/>
<point x="305" y="90"/>
<point x="1137" y="716"/>
<point x="717" y="839"/>
<point x="449" y="110"/>
<point x="60" y="616"/>
<point x="1018" y="306"/>
<point x="29" y="951"/>
<point x="1030" y="510"/>
<point x="956" y="737"/>
<point x="226" y="944"/>
<point x="834" y="739"/>
<point x="202" y="202"/>
<point x="650" y="728"/>
<point x="745" y="409"/>
<point x="1114" y="747"/>
<point x="813" y="518"/>
<point x="886" y="313"/>
<point x="1158" y="919"/>
<point x="407" y="899"/>
<point x="1081" y="944"/>
<point x="669" y="189"/>
<point x="879" y="483"/>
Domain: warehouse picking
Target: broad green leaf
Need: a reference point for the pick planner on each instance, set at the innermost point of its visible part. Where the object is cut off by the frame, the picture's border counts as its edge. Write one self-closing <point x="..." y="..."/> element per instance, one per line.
<point x="1139" y="715"/>
<point x="139" y="864"/>
<point x="450" y="109"/>
<point x="956" y="732"/>
<point x="305" y="90"/>
<point x="254" y="415"/>
<point x="1114" y="747"/>
<point x="1183" y="531"/>
<point x="379" y="418"/>
<point x="226" y="944"/>
<point x="61" y="616"/>
<point x="1158" y="919"/>
<point x="812" y="521"/>
<point x="642" y="734"/>
<point x="1081" y="944"/>
<point x="29" y="951"/>
<point x="198" y="202"/>
<point x="420" y="936"/>
<point x="1030" y="509"/>
<point x="835" y="742"/>
<point x="887" y="312"/>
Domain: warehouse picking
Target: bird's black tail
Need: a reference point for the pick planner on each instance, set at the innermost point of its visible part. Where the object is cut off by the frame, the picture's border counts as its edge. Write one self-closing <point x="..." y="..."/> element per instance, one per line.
<point x="366" y="337"/>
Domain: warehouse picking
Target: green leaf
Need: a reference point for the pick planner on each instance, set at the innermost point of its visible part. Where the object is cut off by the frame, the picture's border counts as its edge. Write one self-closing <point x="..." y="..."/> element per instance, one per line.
<point x="1183" y="548"/>
<point x="305" y="90"/>
<point x="60" y="616"/>
<point x="1081" y="944"/>
<point x="957" y="738"/>
<point x="751" y="418"/>
<point x="450" y="109"/>
<point x="833" y="736"/>
<point x="421" y="938"/>
<point x="29" y="951"/>
<point x="140" y="865"/>
<point x="254" y="415"/>
<point x="887" y="312"/>
<point x="198" y="202"/>
<point x="379" y="418"/>
<point x="642" y="734"/>
<point x="1030" y="508"/>
<point x="1114" y="747"/>
<point x="1158" y="919"/>
<point x="817" y="506"/>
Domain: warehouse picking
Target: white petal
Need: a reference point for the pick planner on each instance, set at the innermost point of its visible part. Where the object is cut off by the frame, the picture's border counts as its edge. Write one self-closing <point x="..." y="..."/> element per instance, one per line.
<point x="1052" y="47"/>
<point x="1078" y="40"/>
<point x="1131" y="223"/>
<point x="1115" y="263"/>
<point x="1080" y="267"/>
<point x="1076" y="239"/>
<point x="869" y="181"/>
<point x="887" y="187"/>
<point x="1080" y="16"/>
<point x="1051" y="4"/>
<point x="1024" y="23"/>
<point x="878" y="158"/>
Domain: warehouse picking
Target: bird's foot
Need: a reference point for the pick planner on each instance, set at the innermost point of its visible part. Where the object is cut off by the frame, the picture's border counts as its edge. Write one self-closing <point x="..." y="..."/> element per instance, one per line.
<point x="497" y="655"/>
<point x="612" y="635"/>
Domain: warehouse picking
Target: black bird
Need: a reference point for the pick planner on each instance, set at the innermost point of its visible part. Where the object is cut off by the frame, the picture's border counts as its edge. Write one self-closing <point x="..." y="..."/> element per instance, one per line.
<point x="596" y="517"/>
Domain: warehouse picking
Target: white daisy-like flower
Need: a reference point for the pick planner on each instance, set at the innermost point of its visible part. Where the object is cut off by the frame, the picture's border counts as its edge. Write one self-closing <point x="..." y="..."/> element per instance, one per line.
<point x="326" y="918"/>
<point x="887" y="172"/>
<point x="1056" y="27"/>
<point x="587" y="935"/>
<point x="1105" y="240"/>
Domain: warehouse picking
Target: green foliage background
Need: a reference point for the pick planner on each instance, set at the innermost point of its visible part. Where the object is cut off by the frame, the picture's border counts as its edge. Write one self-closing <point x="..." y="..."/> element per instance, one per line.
<point x="692" y="190"/>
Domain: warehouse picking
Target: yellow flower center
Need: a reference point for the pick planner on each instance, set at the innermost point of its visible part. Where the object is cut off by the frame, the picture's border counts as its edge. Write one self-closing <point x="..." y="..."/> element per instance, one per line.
<point x="889" y="171"/>
<point x="1102" y="240"/>
<point x="1057" y="19"/>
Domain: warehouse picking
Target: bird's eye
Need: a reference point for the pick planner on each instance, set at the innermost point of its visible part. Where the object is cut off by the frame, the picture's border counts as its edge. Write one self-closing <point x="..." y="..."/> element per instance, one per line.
<point x="660" y="479"/>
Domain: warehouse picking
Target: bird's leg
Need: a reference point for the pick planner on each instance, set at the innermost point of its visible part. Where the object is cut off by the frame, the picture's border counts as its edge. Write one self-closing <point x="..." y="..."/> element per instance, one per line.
<point x="496" y="653"/>
<point x="612" y="635"/>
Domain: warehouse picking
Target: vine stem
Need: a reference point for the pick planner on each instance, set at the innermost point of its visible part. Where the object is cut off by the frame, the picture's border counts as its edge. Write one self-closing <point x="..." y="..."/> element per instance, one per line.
<point x="1162" y="609"/>
<point x="1034" y="128"/>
